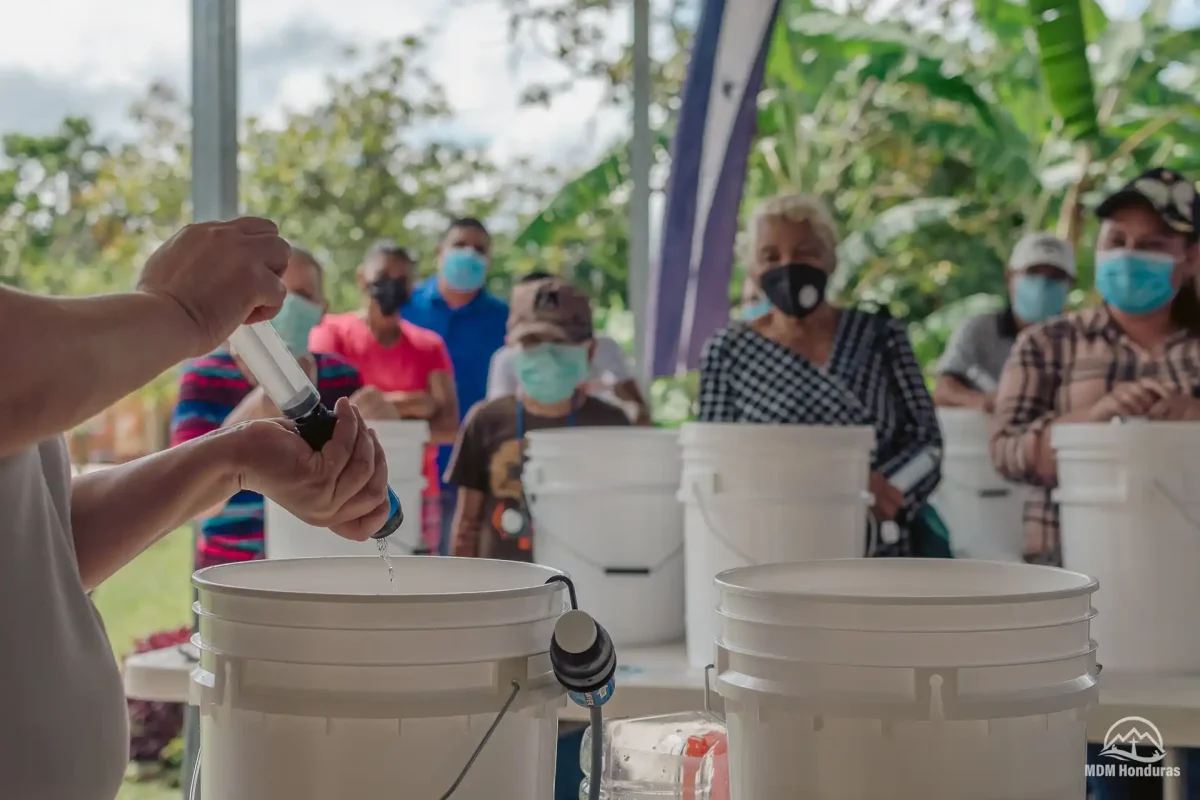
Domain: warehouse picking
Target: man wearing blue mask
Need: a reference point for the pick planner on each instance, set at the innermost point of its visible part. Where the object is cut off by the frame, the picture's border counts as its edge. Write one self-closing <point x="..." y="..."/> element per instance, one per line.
<point x="1040" y="274"/>
<point x="550" y="331"/>
<point x="456" y="305"/>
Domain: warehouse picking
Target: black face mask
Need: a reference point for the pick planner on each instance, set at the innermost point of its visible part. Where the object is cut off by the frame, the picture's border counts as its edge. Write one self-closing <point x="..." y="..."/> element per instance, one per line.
<point x="795" y="289"/>
<point x="389" y="294"/>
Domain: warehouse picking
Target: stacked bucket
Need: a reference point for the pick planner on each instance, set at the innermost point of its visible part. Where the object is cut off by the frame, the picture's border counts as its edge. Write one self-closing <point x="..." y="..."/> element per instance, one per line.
<point x="905" y="678"/>
<point x="604" y="512"/>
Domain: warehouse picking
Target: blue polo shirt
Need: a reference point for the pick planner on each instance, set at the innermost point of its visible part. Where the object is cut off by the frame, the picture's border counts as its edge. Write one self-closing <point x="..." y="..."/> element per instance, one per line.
<point x="472" y="334"/>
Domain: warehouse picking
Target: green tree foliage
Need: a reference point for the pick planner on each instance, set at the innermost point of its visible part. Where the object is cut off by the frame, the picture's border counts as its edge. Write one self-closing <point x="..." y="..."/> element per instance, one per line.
<point x="80" y="215"/>
<point x="940" y="134"/>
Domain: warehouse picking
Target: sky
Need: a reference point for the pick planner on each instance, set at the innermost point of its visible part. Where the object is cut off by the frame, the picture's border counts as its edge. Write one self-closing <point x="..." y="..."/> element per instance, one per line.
<point x="93" y="58"/>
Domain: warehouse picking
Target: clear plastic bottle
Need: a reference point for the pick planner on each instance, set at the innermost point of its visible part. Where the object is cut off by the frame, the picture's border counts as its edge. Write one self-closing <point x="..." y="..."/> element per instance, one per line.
<point x="673" y="757"/>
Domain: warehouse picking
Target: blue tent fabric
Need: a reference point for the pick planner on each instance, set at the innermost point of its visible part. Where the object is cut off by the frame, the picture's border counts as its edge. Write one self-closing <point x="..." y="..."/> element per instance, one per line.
<point x="689" y="284"/>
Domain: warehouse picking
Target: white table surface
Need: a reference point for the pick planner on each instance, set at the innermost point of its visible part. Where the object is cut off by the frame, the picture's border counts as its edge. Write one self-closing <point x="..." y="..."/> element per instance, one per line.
<point x="658" y="680"/>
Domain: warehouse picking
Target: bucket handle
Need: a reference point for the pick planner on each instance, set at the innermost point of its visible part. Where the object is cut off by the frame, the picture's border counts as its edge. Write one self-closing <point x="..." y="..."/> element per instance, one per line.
<point x="1181" y="508"/>
<point x="708" y="708"/>
<point x="988" y="493"/>
<point x="626" y="570"/>
<point x="700" y="496"/>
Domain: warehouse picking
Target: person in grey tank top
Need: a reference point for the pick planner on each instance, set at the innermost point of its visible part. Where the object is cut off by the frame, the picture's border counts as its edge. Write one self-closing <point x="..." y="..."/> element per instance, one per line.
<point x="63" y="361"/>
<point x="1040" y="274"/>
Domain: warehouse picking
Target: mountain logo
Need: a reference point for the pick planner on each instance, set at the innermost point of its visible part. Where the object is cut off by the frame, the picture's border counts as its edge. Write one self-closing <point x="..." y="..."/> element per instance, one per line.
<point x="1134" y="739"/>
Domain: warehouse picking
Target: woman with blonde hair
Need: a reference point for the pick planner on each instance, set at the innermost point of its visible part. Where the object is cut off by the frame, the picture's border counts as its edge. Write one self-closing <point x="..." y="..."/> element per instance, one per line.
<point x="807" y="361"/>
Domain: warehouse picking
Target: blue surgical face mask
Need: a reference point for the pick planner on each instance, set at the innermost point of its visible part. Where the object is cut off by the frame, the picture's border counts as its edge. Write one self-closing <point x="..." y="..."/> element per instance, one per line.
<point x="550" y="373"/>
<point x="752" y="311"/>
<point x="295" y="320"/>
<point x="1037" y="298"/>
<point x="1133" y="281"/>
<point x="464" y="269"/>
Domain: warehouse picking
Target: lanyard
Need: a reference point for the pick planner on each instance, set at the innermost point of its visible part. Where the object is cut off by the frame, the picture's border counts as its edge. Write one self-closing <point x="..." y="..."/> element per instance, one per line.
<point x="514" y="520"/>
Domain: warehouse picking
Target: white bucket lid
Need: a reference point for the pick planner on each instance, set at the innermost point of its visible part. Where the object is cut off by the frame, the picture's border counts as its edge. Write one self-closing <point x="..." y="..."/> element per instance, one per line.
<point x="742" y="435"/>
<point x="907" y="581"/>
<point x="1143" y="434"/>
<point x="354" y="592"/>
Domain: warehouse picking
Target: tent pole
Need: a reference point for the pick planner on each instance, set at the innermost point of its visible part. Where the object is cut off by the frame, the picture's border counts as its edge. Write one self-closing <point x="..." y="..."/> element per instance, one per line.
<point x="214" y="183"/>
<point x="641" y="160"/>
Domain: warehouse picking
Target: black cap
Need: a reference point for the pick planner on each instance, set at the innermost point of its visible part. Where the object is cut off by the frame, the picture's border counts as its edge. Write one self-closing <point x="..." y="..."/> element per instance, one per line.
<point x="1170" y="195"/>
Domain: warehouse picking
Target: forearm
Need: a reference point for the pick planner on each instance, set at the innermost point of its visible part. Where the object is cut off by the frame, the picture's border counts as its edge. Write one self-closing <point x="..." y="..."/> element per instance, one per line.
<point x="89" y="353"/>
<point x="443" y="428"/>
<point x="950" y="392"/>
<point x="467" y="529"/>
<point x="443" y="423"/>
<point x="118" y="512"/>
<point x="413" y="405"/>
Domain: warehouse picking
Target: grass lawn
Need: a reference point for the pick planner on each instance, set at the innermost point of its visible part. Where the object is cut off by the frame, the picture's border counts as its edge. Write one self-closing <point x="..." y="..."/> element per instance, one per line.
<point x="150" y="594"/>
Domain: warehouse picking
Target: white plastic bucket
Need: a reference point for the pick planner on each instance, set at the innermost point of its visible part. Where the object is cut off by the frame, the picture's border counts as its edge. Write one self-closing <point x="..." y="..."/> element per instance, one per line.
<point x="984" y="512"/>
<point x="317" y="681"/>
<point x="763" y="494"/>
<point x="947" y="679"/>
<point x="1129" y="497"/>
<point x="605" y="512"/>
<point x="645" y="456"/>
<point x="404" y="443"/>
<point x="286" y="536"/>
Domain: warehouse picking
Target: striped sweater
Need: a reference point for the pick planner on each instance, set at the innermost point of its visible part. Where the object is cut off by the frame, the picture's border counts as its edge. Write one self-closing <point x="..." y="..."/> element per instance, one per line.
<point x="209" y="389"/>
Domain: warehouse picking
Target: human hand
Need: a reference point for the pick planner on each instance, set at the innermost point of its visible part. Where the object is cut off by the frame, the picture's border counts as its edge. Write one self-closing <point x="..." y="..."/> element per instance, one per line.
<point x="1133" y="399"/>
<point x="371" y="403"/>
<point x="343" y="486"/>
<point x="987" y="403"/>
<point x="1176" y="408"/>
<point x="888" y="499"/>
<point x="219" y="275"/>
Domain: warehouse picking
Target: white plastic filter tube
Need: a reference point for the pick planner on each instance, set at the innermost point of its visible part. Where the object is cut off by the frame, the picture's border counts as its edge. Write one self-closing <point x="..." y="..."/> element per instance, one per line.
<point x="275" y="368"/>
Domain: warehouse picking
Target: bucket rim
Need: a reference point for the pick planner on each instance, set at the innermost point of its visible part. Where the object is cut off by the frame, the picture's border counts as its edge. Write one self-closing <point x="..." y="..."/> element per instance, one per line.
<point x="688" y="431"/>
<point x="1007" y="628"/>
<point x="1096" y="435"/>
<point x="203" y="582"/>
<point x="724" y="583"/>
<point x="1091" y="650"/>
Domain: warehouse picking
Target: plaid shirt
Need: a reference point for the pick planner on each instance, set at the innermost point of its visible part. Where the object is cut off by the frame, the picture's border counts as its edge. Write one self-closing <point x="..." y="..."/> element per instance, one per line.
<point x="1063" y="366"/>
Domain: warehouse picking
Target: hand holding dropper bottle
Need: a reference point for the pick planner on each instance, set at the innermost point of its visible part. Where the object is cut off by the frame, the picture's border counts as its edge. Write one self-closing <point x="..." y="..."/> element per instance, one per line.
<point x="284" y="381"/>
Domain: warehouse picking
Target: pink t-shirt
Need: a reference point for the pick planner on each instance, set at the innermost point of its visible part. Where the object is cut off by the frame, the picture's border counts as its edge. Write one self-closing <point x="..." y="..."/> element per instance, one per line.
<point x="404" y="366"/>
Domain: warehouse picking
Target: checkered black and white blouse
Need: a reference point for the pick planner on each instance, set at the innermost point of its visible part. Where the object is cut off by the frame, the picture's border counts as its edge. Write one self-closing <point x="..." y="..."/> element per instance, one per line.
<point x="872" y="378"/>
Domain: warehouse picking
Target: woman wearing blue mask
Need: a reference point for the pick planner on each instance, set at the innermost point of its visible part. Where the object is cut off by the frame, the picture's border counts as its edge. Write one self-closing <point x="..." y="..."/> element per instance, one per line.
<point x="807" y="361"/>
<point x="1135" y="355"/>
